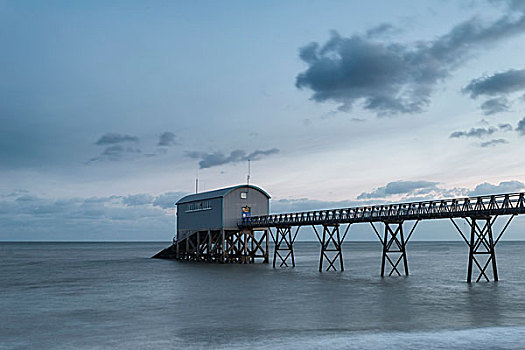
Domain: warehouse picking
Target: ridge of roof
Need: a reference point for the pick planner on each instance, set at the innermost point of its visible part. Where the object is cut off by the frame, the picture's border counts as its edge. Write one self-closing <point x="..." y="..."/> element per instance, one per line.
<point x="218" y="193"/>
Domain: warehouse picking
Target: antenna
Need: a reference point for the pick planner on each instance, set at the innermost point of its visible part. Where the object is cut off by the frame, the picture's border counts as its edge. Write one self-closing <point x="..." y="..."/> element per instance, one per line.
<point x="249" y="171"/>
<point x="197" y="182"/>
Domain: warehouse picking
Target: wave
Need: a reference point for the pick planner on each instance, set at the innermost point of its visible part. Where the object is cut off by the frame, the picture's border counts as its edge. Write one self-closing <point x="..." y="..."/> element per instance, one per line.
<point x="479" y="338"/>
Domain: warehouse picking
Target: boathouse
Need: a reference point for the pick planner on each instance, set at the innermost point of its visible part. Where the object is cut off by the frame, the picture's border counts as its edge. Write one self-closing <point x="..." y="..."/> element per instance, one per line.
<point x="209" y="226"/>
<point x="219" y="210"/>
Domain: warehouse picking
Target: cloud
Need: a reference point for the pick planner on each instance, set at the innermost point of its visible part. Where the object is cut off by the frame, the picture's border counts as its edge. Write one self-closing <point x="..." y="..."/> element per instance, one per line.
<point x="167" y="139"/>
<point x="168" y="200"/>
<point x="390" y="78"/>
<point x="129" y="217"/>
<point x="502" y="187"/>
<point x="505" y="127"/>
<point x="114" y="138"/>
<point x="137" y="199"/>
<point x="117" y="153"/>
<point x="426" y="190"/>
<point x="400" y="187"/>
<point x="256" y="155"/>
<point x="305" y="204"/>
<point x="117" y="147"/>
<point x="208" y="160"/>
<point x="497" y="84"/>
<point x="495" y="105"/>
<point x="411" y="191"/>
<point x="521" y="127"/>
<point x="27" y="216"/>
<point x="494" y="142"/>
<point x="518" y="5"/>
<point x="483" y="132"/>
<point x="121" y="147"/>
<point x="379" y="30"/>
<point x="111" y="207"/>
<point x="474" y="132"/>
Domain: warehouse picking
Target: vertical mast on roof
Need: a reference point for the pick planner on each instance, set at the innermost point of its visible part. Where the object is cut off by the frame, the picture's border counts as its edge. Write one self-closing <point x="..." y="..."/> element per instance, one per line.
<point x="248" y="176"/>
<point x="197" y="182"/>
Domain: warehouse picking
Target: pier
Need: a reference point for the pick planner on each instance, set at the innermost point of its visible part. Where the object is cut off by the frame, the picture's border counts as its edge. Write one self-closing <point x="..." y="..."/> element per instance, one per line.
<point x="249" y="241"/>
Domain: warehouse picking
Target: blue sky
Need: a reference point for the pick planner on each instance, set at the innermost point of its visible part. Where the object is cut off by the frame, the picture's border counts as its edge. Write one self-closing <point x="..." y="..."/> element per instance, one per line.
<point x="110" y="109"/>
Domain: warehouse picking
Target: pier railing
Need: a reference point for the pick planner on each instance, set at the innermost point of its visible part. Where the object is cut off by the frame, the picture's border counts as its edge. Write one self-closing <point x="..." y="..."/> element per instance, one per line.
<point x="501" y="204"/>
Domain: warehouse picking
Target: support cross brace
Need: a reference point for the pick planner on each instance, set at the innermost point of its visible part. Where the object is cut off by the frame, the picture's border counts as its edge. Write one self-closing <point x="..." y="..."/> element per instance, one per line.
<point x="331" y="241"/>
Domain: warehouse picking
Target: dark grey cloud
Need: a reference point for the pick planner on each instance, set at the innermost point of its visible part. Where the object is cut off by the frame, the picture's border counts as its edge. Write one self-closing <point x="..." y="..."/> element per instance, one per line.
<point x="258" y="154"/>
<point x="117" y="147"/>
<point x="505" y="127"/>
<point x="379" y="30"/>
<point x="497" y="84"/>
<point x="521" y="127"/>
<point x="123" y="147"/>
<point x="167" y="139"/>
<point x="502" y="187"/>
<point x="391" y="78"/>
<point x="484" y="132"/>
<point x="208" y="160"/>
<point x="117" y="153"/>
<point x="495" y="105"/>
<point x="168" y="200"/>
<point x="400" y="187"/>
<point x="494" y="142"/>
<point x="114" y="138"/>
<point x="474" y="132"/>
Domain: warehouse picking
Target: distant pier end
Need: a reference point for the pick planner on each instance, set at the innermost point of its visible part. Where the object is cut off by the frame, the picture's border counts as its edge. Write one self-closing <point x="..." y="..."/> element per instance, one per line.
<point x="207" y="226"/>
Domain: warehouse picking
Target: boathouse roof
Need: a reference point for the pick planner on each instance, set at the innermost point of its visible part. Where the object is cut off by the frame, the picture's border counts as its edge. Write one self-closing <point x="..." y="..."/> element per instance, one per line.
<point x="219" y="193"/>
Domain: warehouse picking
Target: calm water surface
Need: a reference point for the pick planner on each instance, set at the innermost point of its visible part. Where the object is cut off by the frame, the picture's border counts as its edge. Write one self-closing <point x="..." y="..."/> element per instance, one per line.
<point x="111" y="295"/>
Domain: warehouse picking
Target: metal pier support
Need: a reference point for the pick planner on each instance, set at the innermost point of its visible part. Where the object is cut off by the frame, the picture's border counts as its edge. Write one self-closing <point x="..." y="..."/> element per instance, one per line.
<point x="482" y="246"/>
<point x="236" y="247"/>
<point x="394" y="236"/>
<point x="394" y="247"/>
<point x="223" y="246"/>
<point x="215" y="246"/>
<point x="331" y="241"/>
<point x="284" y="241"/>
<point x="258" y="246"/>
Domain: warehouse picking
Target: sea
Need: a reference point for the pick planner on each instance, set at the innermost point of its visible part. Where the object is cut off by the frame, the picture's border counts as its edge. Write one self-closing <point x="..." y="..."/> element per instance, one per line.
<point x="114" y="296"/>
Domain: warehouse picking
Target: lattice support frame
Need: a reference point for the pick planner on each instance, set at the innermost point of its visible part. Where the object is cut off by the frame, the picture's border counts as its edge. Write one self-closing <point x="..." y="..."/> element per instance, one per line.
<point x="394" y="247"/>
<point x="482" y="246"/>
<point x="283" y="245"/>
<point x="331" y="246"/>
<point x="235" y="247"/>
<point x="258" y="245"/>
<point x="224" y="246"/>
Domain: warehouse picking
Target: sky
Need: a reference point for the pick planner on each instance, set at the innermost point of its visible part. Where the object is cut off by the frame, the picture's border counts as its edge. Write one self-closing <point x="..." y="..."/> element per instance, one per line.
<point x="109" y="110"/>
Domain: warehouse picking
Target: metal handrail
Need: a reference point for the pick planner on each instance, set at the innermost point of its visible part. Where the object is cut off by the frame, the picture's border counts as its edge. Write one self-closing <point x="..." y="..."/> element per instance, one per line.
<point x="498" y="204"/>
